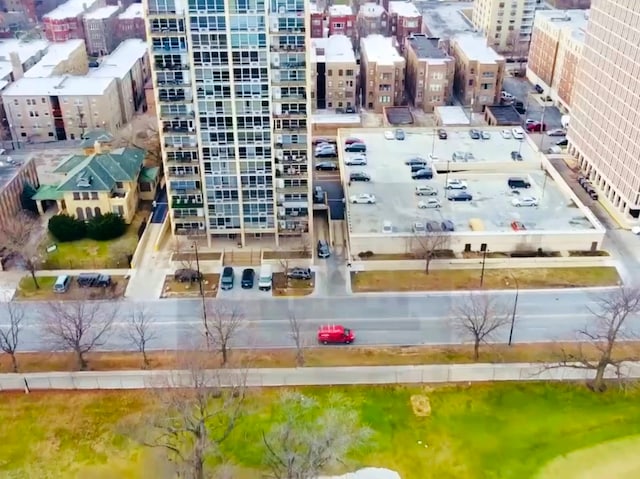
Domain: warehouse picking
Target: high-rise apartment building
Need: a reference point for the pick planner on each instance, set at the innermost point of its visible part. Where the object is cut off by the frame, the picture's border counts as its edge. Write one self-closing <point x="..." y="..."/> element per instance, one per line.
<point x="231" y="91"/>
<point x="604" y="132"/>
<point x="506" y="24"/>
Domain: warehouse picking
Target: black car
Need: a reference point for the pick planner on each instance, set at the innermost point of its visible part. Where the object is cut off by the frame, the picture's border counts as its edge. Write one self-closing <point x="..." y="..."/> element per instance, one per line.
<point x="248" y="276"/>
<point x="318" y="194"/>
<point x="356" y="148"/>
<point x="326" y="166"/>
<point x="423" y="174"/>
<point x="539" y="89"/>
<point x="521" y="109"/>
<point x="93" y="280"/>
<point x="460" y="196"/>
<point x="416" y="161"/>
<point x="323" y="249"/>
<point x="442" y="134"/>
<point x="359" y="176"/>
<point x="299" y="273"/>
<point x="399" y="134"/>
<point x="186" y="275"/>
<point x="226" y="282"/>
<point x="417" y="167"/>
<point x="350" y="109"/>
<point x="326" y="154"/>
<point x="564" y="142"/>
<point x="474" y="134"/>
<point x="516" y="156"/>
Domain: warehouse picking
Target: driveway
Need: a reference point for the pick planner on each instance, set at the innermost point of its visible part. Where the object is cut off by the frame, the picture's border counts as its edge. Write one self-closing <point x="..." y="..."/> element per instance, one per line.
<point x="524" y="91"/>
<point x="335" y="194"/>
<point x="160" y="210"/>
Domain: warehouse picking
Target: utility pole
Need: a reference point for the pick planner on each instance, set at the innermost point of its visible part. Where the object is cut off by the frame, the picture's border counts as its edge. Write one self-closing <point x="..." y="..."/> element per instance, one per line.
<point x="484" y="260"/>
<point x="204" y="304"/>
<point x="515" y="309"/>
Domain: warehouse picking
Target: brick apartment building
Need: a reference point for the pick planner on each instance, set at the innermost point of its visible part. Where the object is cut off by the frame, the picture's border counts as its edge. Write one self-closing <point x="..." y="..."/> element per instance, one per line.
<point x="100" y="27"/>
<point x="333" y="73"/>
<point x="342" y="21"/>
<point x="429" y="74"/>
<point x="381" y="72"/>
<point x="12" y="181"/>
<point x="131" y="23"/>
<point x="317" y="21"/>
<point x="65" y="21"/>
<point x="372" y="19"/>
<point x="404" y="19"/>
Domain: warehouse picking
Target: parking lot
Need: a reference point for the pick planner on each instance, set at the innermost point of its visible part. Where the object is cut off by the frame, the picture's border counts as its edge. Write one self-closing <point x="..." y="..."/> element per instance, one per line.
<point x="397" y="203"/>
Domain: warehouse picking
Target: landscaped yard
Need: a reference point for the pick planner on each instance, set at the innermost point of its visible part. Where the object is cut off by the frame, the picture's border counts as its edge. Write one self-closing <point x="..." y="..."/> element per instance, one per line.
<point x="92" y="254"/>
<point x="27" y="291"/>
<point x="451" y="279"/>
<point x="176" y="289"/>
<point x="291" y="287"/>
<point x="505" y="431"/>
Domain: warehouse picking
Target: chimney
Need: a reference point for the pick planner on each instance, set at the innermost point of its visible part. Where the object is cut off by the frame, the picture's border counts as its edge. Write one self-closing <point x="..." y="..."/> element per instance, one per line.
<point x="16" y="66"/>
<point x="84" y="7"/>
<point x="97" y="148"/>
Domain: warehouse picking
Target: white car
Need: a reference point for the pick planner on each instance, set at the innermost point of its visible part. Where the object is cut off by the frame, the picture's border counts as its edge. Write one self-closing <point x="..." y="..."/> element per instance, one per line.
<point x="518" y="133"/>
<point x="429" y="203"/>
<point x="485" y="135"/>
<point x="557" y="132"/>
<point x="387" y="227"/>
<point x="525" y="201"/>
<point x="506" y="134"/>
<point x="635" y="230"/>
<point x="389" y="135"/>
<point x="355" y="161"/>
<point x="506" y="95"/>
<point x="363" y="198"/>
<point x="454" y="184"/>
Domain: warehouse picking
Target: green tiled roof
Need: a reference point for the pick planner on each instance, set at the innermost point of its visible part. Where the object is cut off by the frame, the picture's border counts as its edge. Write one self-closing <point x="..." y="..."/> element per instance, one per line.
<point x="48" y="192"/>
<point x="89" y="139"/>
<point x="102" y="170"/>
<point x="149" y="174"/>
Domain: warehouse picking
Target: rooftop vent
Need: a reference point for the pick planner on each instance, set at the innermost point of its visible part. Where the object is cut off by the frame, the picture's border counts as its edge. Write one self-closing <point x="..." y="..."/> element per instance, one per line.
<point x="84" y="181"/>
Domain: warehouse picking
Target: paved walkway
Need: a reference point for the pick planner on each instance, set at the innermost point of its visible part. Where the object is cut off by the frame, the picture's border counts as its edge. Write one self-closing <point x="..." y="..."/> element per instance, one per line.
<point x="435" y="373"/>
<point x="147" y="279"/>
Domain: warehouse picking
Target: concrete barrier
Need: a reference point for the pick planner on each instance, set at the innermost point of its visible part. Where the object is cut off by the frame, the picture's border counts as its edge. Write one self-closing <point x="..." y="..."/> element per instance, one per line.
<point x="432" y="373"/>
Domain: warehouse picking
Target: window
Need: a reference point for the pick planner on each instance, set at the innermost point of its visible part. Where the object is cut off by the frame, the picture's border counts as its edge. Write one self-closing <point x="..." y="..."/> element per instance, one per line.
<point x="349" y="73"/>
<point x="94" y="195"/>
<point x="76" y="195"/>
<point x="340" y="72"/>
<point x="329" y="73"/>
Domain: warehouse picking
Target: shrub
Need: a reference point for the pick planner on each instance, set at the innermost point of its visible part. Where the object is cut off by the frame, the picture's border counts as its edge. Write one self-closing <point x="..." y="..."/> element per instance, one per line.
<point x="106" y="227"/>
<point x="365" y="254"/>
<point x="66" y="228"/>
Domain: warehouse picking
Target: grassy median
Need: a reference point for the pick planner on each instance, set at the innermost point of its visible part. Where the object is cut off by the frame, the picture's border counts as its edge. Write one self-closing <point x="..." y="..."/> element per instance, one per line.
<point x="504" y="430"/>
<point x="461" y="279"/>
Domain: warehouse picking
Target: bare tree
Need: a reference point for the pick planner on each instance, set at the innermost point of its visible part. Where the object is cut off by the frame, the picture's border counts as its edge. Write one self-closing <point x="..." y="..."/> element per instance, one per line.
<point x="298" y="336"/>
<point x="428" y="245"/>
<point x="478" y="317"/>
<point x="309" y="437"/>
<point x="222" y="322"/>
<point x="611" y="313"/>
<point x="183" y="253"/>
<point x="140" y="331"/>
<point x="16" y="235"/>
<point x="10" y="332"/>
<point x="285" y="266"/>
<point x="145" y="137"/>
<point x="79" y="326"/>
<point x="197" y="411"/>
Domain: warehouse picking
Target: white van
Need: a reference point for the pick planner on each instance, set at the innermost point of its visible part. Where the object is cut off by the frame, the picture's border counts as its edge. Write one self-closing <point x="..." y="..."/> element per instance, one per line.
<point x="62" y="283"/>
<point x="265" y="278"/>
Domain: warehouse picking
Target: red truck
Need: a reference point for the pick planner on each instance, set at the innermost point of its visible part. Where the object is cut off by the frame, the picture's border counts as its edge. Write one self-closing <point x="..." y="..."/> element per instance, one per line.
<point x="336" y="334"/>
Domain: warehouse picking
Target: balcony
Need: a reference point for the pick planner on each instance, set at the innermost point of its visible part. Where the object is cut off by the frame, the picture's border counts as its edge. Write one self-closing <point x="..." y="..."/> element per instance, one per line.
<point x="167" y="32"/>
<point x="169" y="49"/>
<point x="291" y="159"/>
<point x="178" y="129"/>
<point x="175" y="99"/>
<point x="186" y="203"/>
<point x="181" y="160"/>
<point x="287" y="48"/>
<point x="176" y="115"/>
<point x="292" y="189"/>
<point x="180" y="147"/>
<point x="291" y="114"/>
<point x="292" y="172"/>
<point x="292" y="146"/>
<point x="174" y="82"/>
<point x="164" y="13"/>
<point x="170" y="66"/>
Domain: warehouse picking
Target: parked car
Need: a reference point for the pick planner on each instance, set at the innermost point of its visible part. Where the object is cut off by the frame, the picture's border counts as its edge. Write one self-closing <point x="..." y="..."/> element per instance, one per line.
<point x="459" y="196"/>
<point x="517" y="226"/>
<point x="429" y="203"/>
<point x="363" y="198"/>
<point x="536" y="126"/>
<point x="187" y="275"/>
<point x="520" y="108"/>
<point x="442" y="133"/>
<point x="319" y="140"/>
<point x="506" y="134"/>
<point x="485" y="135"/>
<point x="324" y="148"/>
<point x="400" y="134"/>
<point x="468" y="156"/>
<point x="518" y="133"/>
<point x="418" y="227"/>
<point x="474" y="134"/>
<point x="423" y="174"/>
<point x="248" y="276"/>
<point x="554" y="150"/>
<point x="416" y="161"/>
<point x="93" y="280"/>
<point x="433" y="226"/>
<point x="335" y="334"/>
<point x="352" y="140"/>
<point x="525" y="201"/>
<point x="417" y="167"/>
<point x="350" y="109"/>
<point x="425" y="190"/>
<point x="455" y="184"/>
<point x="388" y="135"/>
<point x="447" y="225"/>
<point x="326" y="154"/>
<point x="326" y="166"/>
<point x="504" y="95"/>
<point x="387" y="227"/>
<point x="457" y="156"/>
<point x="227" y="279"/>
<point x="318" y="194"/>
<point x="62" y="284"/>
<point x="516" y="156"/>
<point x="355" y="148"/>
<point x="564" y="142"/>
<point x="299" y="273"/>
<point x="359" y="176"/>
<point x="557" y="132"/>
<point x="323" y="249"/>
<point x="355" y="161"/>
<point x="539" y="89"/>
<point x="516" y="182"/>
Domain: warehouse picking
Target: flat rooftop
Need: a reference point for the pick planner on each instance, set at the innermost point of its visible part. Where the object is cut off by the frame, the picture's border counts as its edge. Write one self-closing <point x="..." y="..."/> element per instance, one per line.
<point x="121" y="60"/>
<point x="25" y="50"/>
<point x="340" y="10"/>
<point x="8" y="171"/>
<point x="394" y="189"/>
<point x="572" y="19"/>
<point x="403" y="9"/>
<point x="453" y="115"/>
<point x="59" y="86"/>
<point x="102" y="12"/>
<point x="505" y="114"/>
<point x="445" y="21"/>
<point x="57" y="53"/>
<point x="133" y="11"/>
<point x="70" y="9"/>
<point x="476" y="50"/>
<point x="426" y="47"/>
<point x="371" y="10"/>
<point x="336" y="48"/>
<point x="380" y="50"/>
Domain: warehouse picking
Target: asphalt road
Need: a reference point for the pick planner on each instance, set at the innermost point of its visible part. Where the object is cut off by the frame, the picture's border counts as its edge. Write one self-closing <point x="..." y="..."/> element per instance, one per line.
<point x="412" y="319"/>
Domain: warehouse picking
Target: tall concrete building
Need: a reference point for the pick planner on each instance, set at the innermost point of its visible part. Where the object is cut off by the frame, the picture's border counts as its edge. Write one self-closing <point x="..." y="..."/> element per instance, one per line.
<point x="506" y="24"/>
<point x="604" y="131"/>
<point x="231" y="82"/>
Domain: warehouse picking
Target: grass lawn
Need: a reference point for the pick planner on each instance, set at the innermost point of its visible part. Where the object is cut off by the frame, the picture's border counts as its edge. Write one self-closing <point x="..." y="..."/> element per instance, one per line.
<point x="27" y="291"/>
<point x="451" y="279"/>
<point x="501" y="431"/>
<point x="91" y="254"/>
<point x="293" y="287"/>
<point x="176" y="289"/>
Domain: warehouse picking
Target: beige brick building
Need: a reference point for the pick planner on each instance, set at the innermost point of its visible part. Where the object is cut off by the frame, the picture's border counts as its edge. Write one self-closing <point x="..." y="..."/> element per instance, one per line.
<point x="334" y="73"/>
<point x="429" y="74"/>
<point x="479" y="72"/>
<point x="372" y="19"/>
<point x="506" y="24"/>
<point x="382" y="71"/>
<point x="604" y="132"/>
<point x="556" y="47"/>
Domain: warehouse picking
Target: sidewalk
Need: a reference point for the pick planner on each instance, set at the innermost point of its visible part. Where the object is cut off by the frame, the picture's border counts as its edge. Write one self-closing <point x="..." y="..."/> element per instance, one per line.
<point x="435" y="373"/>
<point x="147" y="279"/>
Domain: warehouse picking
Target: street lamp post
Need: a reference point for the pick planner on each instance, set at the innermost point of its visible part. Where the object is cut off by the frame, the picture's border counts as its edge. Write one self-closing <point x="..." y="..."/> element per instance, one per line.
<point x="433" y="143"/>
<point x="484" y="260"/>
<point x="515" y="309"/>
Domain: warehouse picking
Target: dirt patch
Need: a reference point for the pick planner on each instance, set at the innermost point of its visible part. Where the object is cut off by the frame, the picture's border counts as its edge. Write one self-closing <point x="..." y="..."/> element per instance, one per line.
<point x="176" y="289"/>
<point x="291" y="287"/>
<point x="421" y="405"/>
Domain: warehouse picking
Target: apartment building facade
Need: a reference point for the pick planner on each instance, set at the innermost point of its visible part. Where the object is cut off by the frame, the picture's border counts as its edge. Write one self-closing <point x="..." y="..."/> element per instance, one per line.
<point x="404" y="20"/>
<point x="65" y="21"/>
<point x="232" y="103"/>
<point x="317" y="21"/>
<point x="556" y="48"/>
<point x="382" y="71"/>
<point x="100" y="28"/>
<point x="341" y="21"/>
<point x="479" y="72"/>
<point x="334" y="73"/>
<point x="604" y="132"/>
<point x="506" y="24"/>
<point x="429" y="74"/>
<point x="130" y="23"/>
<point x="12" y="181"/>
<point x="372" y="19"/>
